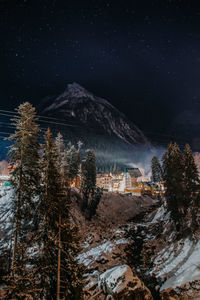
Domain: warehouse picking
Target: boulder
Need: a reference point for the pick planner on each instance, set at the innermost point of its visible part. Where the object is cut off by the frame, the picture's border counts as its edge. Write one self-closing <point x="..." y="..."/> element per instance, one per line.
<point x="120" y="283"/>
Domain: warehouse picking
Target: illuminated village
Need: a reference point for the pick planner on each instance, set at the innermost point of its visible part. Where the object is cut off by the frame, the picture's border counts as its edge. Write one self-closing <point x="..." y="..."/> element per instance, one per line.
<point x="131" y="181"/>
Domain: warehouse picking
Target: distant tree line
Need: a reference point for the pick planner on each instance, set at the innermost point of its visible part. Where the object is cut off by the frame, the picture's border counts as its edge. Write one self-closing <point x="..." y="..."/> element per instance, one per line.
<point x="45" y="240"/>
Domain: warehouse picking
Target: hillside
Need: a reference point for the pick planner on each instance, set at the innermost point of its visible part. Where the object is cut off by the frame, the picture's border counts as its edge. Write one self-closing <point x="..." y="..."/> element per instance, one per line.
<point x="161" y="266"/>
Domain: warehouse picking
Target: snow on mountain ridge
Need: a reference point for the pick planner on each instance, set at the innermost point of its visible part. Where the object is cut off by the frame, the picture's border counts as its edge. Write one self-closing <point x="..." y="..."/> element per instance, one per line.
<point x="76" y="91"/>
<point x="78" y="105"/>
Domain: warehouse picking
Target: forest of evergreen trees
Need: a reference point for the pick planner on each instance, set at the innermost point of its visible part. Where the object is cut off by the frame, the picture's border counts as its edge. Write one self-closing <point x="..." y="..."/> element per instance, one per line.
<point x="179" y="174"/>
<point x="45" y="244"/>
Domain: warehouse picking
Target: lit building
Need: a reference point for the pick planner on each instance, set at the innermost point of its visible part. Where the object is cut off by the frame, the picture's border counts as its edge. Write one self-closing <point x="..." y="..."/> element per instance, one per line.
<point x="104" y="181"/>
<point x="125" y="182"/>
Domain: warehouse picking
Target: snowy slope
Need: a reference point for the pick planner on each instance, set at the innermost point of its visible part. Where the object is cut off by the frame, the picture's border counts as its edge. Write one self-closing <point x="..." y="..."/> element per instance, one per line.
<point x="5" y="217"/>
<point x="178" y="262"/>
<point x="179" y="265"/>
<point x="89" y="257"/>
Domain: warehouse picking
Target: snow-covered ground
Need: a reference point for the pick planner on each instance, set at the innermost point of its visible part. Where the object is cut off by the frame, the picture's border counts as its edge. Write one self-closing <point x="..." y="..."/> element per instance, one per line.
<point x="161" y="215"/>
<point x="6" y="194"/>
<point x="179" y="262"/>
<point x="95" y="253"/>
<point x="185" y="267"/>
<point x="113" y="278"/>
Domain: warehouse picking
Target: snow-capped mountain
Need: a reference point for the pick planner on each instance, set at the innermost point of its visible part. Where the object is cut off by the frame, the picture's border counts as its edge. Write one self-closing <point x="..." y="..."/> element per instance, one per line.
<point x="80" y="115"/>
<point x="80" y="107"/>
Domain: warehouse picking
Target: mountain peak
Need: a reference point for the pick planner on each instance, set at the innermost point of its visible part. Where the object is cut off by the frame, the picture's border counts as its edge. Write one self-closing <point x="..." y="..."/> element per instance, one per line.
<point x="97" y="123"/>
<point x="81" y="106"/>
<point x="75" y="86"/>
<point x="76" y="90"/>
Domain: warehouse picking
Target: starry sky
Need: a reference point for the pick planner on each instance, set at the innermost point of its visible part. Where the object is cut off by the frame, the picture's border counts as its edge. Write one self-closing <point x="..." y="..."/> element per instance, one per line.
<point x="142" y="56"/>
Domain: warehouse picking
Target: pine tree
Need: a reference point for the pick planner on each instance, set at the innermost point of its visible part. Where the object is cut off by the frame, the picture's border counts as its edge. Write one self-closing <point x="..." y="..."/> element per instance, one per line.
<point x="190" y="176"/>
<point x="62" y="162"/>
<point x="67" y="231"/>
<point x="91" y="194"/>
<point x="88" y="177"/>
<point x="191" y="186"/>
<point x="93" y="204"/>
<point x="60" y="275"/>
<point x="156" y="170"/>
<point x="157" y="173"/>
<point x="60" y="147"/>
<point x="79" y="145"/>
<point x="173" y="175"/>
<point x="25" y="176"/>
<point x="22" y="283"/>
<point x="73" y="161"/>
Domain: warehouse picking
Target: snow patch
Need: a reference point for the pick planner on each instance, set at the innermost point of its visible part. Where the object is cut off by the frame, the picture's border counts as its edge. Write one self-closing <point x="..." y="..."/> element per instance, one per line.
<point x="95" y="253"/>
<point x="171" y="259"/>
<point x="161" y="215"/>
<point x="113" y="278"/>
<point x="6" y="217"/>
<point x="121" y="241"/>
<point x="190" y="268"/>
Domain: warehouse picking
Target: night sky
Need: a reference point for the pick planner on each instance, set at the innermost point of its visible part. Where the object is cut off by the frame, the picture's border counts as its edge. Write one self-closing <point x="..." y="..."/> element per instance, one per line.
<point x="142" y="56"/>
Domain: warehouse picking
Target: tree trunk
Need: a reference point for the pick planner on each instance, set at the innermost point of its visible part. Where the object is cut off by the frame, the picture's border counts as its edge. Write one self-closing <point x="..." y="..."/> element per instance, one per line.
<point x="17" y="223"/>
<point x="15" y="238"/>
<point x="59" y="257"/>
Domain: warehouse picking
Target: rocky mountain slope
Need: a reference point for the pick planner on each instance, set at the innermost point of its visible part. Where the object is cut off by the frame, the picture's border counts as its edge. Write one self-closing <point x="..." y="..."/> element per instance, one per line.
<point x="167" y="267"/>
<point x="81" y="108"/>
<point x="130" y="249"/>
<point x="80" y="115"/>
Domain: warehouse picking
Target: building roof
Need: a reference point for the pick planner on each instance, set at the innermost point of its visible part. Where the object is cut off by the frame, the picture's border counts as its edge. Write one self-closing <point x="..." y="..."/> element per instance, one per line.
<point x="4" y="177"/>
<point x="103" y="175"/>
<point x="116" y="180"/>
<point x="134" y="172"/>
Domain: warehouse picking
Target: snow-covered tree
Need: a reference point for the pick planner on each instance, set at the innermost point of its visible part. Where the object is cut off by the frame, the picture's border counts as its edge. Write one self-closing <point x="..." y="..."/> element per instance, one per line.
<point x="60" y="146"/>
<point x="62" y="163"/>
<point x="73" y="161"/>
<point x="60" y="274"/>
<point x="25" y="178"/>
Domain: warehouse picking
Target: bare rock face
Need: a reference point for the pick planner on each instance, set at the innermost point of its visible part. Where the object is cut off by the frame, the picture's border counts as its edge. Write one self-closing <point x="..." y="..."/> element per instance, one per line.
<point x="119" y="283"/>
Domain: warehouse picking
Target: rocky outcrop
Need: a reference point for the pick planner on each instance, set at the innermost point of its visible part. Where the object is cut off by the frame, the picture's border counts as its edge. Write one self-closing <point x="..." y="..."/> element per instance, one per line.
<point x="122" y="284"/>
<point x="104" y="241"/>
<point x="188" y="291"/>
<point x="117" y="283"/>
